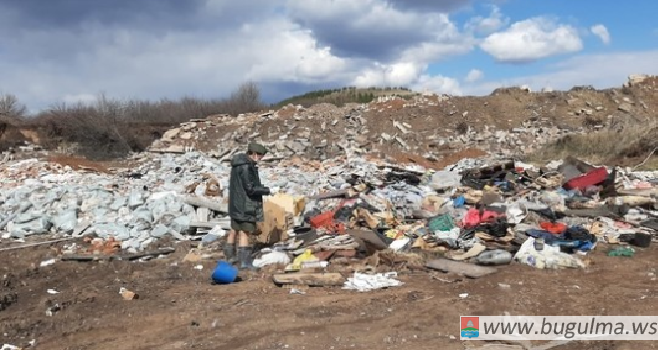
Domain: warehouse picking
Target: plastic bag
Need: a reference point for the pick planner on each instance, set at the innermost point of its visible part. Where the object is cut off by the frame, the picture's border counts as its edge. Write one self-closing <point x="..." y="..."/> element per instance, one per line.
<point x="441" y="223"/>
<point x="547" y="258"/>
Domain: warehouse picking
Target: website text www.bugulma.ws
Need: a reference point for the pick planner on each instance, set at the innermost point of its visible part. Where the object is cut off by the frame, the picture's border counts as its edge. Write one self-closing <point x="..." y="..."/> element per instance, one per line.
<point x="570" y="329"/>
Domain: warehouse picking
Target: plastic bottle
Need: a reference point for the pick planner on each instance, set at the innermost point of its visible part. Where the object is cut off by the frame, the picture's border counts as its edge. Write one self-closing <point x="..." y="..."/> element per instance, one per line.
<point x="539" y="244"/>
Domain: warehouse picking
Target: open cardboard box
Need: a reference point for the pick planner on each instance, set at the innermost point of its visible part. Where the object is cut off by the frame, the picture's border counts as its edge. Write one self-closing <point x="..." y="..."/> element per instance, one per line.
<point x="279" y="211"/>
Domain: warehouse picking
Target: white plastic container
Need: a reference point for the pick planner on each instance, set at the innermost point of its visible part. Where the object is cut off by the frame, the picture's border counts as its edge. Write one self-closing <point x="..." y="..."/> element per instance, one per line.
<point x="314" y="264"/>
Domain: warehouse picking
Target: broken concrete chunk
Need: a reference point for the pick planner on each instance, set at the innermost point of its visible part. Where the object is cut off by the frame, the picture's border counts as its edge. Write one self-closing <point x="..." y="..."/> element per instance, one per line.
<point x="159" y="231"/>
<point x="40" y="225"/>
<point x="66" y="221"/>
<point x="625" y="107"/>
<point x="106" y="230"/>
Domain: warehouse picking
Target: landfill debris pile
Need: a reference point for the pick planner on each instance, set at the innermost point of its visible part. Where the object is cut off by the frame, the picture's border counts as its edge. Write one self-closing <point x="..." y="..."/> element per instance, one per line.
<point x="475" y="213"/>
<point x="179" y="196"/>
<point x="330" y="213"/>
<point x="511" y="121"/>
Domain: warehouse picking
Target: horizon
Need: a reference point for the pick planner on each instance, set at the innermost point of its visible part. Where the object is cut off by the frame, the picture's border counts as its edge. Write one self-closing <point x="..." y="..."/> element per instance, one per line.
<point x="269" y="104"/>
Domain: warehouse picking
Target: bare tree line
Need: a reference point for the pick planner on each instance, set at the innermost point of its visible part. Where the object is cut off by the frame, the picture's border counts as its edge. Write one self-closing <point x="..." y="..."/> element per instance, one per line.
<point x="106" y="127"/>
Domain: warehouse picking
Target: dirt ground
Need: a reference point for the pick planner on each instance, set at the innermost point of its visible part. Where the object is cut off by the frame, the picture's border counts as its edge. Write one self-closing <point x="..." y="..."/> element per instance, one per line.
<point x="178" y="308"/>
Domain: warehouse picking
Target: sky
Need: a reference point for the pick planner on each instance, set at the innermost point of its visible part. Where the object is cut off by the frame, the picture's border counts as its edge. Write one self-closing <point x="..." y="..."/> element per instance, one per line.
<point x="73" y="50"/>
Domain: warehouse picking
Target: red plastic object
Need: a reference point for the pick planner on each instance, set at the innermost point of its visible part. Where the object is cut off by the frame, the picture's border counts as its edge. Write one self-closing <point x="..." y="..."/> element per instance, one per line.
<point x="556" y="228"/>
<point x="591" y="178"/>
<point x="322" y="220"/>
<point x="472" y="217"/>
<point x="327" y="221"/>
<point x="336" y="227"/>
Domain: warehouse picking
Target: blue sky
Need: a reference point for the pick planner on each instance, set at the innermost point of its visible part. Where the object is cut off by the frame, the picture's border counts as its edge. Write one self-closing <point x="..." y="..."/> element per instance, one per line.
<point x="631" y="28"/>
<point x="73" y="50"/>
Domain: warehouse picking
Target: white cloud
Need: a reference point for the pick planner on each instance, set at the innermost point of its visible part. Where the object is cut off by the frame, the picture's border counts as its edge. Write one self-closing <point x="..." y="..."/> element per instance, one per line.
<point x="396" y="74"/>
<point x="150" y="65"/>
<point x="370" y="42"/>
<point x="532" y="39"/>
<point x="438" y="84"/>
<point x="601" y="32"/>
<point x="487" y="25"/>
<point x="601" y="71"/>
<point x="473" y="75"/>
<point x="431" y="52"/>
<point x="207" y="50"/>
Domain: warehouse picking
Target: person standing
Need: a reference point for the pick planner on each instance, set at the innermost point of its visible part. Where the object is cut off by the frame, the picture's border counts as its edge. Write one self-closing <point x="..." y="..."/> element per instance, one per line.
<point x="245" y="204"/>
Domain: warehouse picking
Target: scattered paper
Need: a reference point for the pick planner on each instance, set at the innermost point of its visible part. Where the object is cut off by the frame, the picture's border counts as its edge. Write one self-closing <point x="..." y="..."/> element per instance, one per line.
<point x="47" y="262"/>
<point x="363" y="282"/>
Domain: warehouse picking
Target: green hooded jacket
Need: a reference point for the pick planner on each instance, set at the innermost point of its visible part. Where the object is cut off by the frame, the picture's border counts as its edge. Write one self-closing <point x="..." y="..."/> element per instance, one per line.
<point x="245" y="190"/>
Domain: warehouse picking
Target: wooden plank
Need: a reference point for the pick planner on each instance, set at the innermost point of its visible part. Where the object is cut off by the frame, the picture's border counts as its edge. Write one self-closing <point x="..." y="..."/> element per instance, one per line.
<point x="28" y="245"/>
<point x="91" y="257"/>
<point x="129" y="257"/>
<point x="161" y="251"/>
<point x="309" y="279"/>
<point x="459" y="267"/>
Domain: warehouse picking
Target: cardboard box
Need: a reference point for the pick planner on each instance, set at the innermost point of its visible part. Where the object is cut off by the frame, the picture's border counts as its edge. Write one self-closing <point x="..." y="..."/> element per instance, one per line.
<point x="279" y="211"/>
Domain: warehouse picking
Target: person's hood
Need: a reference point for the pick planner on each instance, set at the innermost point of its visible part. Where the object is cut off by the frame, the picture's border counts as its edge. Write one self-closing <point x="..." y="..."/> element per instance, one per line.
<point x="240" y="159"/>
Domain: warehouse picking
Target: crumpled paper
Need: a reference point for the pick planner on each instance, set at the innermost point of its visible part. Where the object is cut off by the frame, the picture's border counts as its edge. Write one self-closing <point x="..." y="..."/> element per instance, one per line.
<point x="363" y="282"/>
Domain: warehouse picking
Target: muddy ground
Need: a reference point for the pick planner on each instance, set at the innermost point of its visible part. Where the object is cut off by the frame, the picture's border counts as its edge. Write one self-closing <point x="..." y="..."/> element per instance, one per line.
<point x="179" y="309"/>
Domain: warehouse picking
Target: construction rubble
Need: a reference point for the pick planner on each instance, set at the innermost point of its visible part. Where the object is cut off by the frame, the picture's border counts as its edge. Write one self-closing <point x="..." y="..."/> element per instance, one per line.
<point x="343" y="212"/>
<point x="325" y="131"/>
<point x="508" y="123"/>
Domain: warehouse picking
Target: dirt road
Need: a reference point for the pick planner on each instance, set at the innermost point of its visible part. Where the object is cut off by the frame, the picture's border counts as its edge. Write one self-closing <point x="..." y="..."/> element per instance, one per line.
<point x="179" y="309"/>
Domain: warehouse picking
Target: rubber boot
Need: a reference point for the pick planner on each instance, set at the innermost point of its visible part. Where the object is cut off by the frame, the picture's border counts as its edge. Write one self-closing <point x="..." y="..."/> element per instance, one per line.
<point x="229" y="251"/>
<point x="245" y="258"/>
